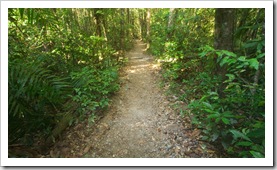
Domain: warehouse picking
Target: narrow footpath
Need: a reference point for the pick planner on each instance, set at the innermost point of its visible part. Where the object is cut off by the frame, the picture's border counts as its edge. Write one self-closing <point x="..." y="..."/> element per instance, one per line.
<point x="139" y="122"/>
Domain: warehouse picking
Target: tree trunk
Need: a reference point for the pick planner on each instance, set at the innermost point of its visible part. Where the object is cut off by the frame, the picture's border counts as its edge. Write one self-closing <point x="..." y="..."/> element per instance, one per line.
<point x="128" y="22"/>
<point x="224" y="29"/>
<point x="170" y="23"/>
<point x="122" y="37"/>
<point x="98" y="22"/>
<point x="148" y="20"/>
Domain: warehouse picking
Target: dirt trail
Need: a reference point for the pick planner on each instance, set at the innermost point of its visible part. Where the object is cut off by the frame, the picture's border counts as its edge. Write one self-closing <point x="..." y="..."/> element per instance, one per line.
<point x="139" y="122"/>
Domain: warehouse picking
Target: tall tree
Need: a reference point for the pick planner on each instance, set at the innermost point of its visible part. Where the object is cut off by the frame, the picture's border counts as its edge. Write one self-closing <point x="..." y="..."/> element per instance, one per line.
<point x="148" y="20"/>
<point x="170" y="22"/>
<point x="97" y="16"/>
<point x="223" y="37"/>
<point x="122" y="36"/>
<point x="224" y="28"/>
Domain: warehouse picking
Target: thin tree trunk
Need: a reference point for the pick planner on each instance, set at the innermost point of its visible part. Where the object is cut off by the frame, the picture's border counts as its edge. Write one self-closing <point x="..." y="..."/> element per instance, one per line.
<point x="224" y="29"/>
<point x="170" y="23"/>
<point x="98" y="22"/>
<point x="142" y="25"/>
<point x="148" y="20"/>
<point x="122" y="37"/>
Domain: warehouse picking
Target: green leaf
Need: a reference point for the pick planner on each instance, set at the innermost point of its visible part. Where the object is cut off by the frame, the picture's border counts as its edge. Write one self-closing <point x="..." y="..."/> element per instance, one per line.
<point x="215" y="136"/>
<point x="212" y="116"/>
<point x="209" y="110"/>
<point x="244" y="143"/>
<point x="205" y="137"/>
<point x="219" y="53"/>
<point x="260" y="46"/>
<point x="245" y="131"/>
<point x="254" y="63"/>
<point x="203" y="54"/>
<point x="224" y="61"/>
<point x="232" y="61"/>
<point x="21" y="11"/>
<point x="228" y="114"/>
<point x="238" y="134"/>
<point x="257" y="154"/>
<point x="258" y="148"/>
<point x="231" y="77"/>
<point x="228" y="53"/>
<point x="260" y="55"/>
<point x="208" y="105"/>
<point x="251" y="44"/>
<point x="217" y="120"/>
<point x="225" y="121"/>
<point x="242" y="58"/>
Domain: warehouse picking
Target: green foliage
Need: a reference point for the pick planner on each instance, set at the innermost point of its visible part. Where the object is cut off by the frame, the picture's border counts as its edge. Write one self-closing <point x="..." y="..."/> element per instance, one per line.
<point x="92" y="87"/>
<point x="60" y="61"/>
<point x="33" y="94"/>
<point x="62" y="55"/>
<point x="223" y="118"/>
<point x="240" y="109"/>
<point x="224" y="125"/>
<point x="224" y="90"/>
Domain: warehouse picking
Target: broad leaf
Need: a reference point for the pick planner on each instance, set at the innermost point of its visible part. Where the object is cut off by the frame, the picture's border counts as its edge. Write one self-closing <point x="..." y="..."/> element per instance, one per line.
<point x="238" y="134"/>
<point x="217" y="120"/>
<point x="244" y="143"/>
<point x="215" y="136"/>
<point x="228" y="114"/>
<point x="231" y="77"/>
<point x="225" y="121"/>
<point x="251" y="44"/>
<point x="228" y="53"/>
<point x="261" y="55"/>
<point x="208" y="105"/>
<point x="242" y="58"/>
<point x="253" y="63"/>
<point x="212" y="116"/>
<point x="203" y="54"/>
<point x="224" y="61"/>
<point x="257" y="154"/>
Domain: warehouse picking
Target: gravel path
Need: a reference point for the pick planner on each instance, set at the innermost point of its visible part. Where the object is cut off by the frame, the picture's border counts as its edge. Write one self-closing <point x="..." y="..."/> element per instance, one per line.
<point x="138" y="123"/>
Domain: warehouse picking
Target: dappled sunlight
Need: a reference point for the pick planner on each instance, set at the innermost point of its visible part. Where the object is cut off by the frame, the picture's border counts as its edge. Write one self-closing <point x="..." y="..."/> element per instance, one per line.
<point x="135" y="53"/>
<point x="142" y="45"/>
<point x="138" y="68"/>
<point x="170" y="60"/>
<point x="156" y="66"/>
<point x="136" y="83"/>
<point x="146" y="48"/>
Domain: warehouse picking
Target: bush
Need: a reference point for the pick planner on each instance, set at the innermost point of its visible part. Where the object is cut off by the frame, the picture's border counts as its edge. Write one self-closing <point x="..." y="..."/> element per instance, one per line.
<point x="236" y="119"/>
<point x="34" y="93"/>
<point x="93" y="86"/>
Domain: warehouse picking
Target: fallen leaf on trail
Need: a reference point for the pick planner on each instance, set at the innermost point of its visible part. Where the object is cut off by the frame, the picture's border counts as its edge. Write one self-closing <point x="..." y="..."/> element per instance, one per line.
<point x="196" y="133"/>
<point x="86" y="149"/>
<point x="159" y="129"/>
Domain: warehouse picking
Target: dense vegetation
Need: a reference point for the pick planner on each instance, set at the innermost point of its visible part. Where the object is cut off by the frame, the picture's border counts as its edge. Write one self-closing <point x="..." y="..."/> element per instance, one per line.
<point x="215" y="65"/>
<point x="63" y="67"/>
